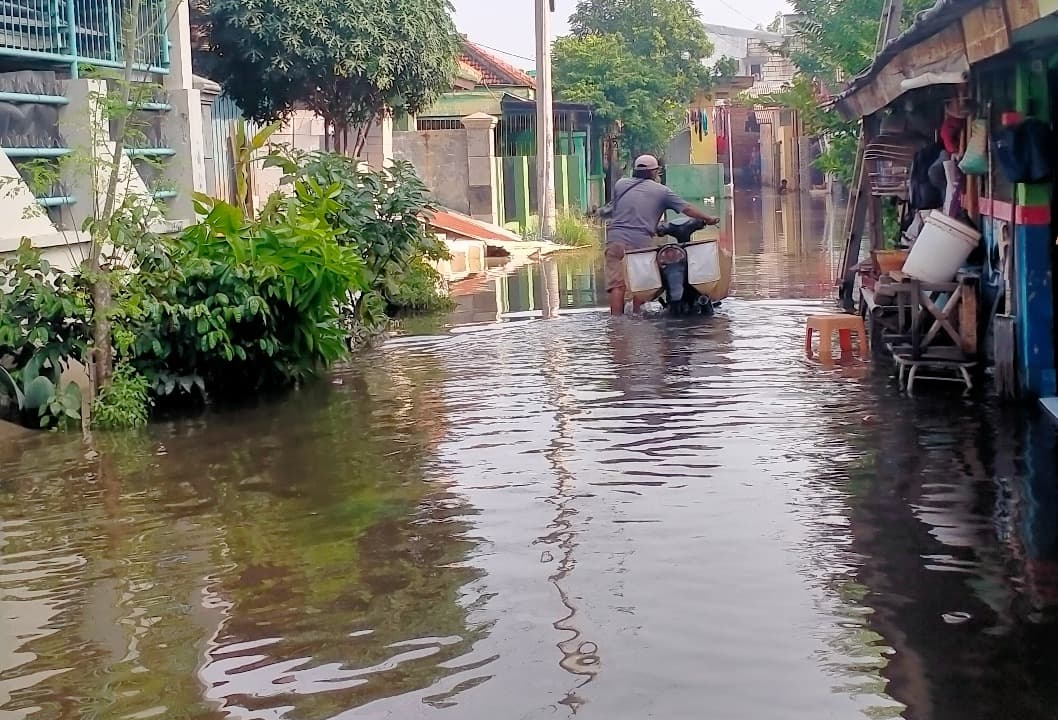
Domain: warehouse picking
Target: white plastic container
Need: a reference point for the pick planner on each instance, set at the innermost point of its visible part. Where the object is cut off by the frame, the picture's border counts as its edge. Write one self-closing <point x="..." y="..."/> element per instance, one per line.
<point x="642" y="276"/>
<point x="941" y="249"/>
<point x="703" y="263"/>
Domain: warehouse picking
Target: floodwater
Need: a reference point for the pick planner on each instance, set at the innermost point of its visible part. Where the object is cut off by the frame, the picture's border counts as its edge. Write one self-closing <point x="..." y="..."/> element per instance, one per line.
<point x="523" y="517"/>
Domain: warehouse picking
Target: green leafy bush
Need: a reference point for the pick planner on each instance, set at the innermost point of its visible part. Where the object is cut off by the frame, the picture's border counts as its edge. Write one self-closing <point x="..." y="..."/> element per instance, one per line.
<point x="44" y="312"/>
<point x="44" y="321"/>
<point x="42" y="400"/>
<point x="125" y="403"/>
<point x="380" y="214"/>
<point x="418" y="288"/>
<point x="234" y="305"/>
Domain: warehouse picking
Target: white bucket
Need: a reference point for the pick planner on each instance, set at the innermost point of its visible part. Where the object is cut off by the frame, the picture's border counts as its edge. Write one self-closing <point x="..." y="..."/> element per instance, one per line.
<point x="941" y="249"/>
<point x="703" y="263"/>
<point x="642" y="276"/>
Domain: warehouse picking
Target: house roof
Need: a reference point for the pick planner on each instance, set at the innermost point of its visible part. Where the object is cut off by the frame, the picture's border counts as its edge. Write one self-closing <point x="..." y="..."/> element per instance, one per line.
<point x="461" y="103"/>
<point x="510" y="103"/>
<point x="928" y="23"/>
<point x="468" y="72"/>
<point x="454" y="223"/>
<point x="493" y="70"/>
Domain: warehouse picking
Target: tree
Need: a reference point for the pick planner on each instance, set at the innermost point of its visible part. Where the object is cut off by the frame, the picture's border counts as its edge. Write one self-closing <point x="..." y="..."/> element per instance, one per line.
<point x="639" y="62"/>
<point x="348" y="62"/>
<point x="840" y="35"/>
<point x="832" y="41"/>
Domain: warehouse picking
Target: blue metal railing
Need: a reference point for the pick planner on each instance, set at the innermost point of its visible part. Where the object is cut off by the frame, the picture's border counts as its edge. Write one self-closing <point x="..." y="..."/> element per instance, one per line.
<point x="84" y="32"/>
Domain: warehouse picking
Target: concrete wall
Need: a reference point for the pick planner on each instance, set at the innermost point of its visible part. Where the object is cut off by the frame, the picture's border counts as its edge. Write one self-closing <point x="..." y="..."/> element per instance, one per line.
<point x="679" y="149"/>
<point x="81" y="126"/>
<point x="440" y="157"/>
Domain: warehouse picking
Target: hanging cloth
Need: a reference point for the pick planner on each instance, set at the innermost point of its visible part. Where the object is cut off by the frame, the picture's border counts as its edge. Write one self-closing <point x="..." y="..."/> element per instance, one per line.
<point x="951" y="132"/>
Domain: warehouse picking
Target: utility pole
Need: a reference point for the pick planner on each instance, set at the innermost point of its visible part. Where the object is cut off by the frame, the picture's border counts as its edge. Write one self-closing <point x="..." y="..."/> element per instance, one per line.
<point x="545" y="122"/>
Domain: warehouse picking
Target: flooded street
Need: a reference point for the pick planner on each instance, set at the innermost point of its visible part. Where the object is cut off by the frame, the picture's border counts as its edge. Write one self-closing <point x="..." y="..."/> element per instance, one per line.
<point x="515" y="517"/>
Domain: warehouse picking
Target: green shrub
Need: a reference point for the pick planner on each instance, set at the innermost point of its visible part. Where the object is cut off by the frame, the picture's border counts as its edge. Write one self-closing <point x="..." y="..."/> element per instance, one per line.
<point x="418" y="288"/>
<point x="44" y="312"/>
<point x="44" y="322"/>
<point x="42" y="400"/>
<point x="234" y="305"/>
<point x="125" y="403"/>
<point x="575" y="230"/>
<point x="377" y="213"/>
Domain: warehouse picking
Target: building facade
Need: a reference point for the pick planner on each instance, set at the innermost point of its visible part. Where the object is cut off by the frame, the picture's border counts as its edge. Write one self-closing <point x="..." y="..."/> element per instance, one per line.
<point x="52" y="98"/>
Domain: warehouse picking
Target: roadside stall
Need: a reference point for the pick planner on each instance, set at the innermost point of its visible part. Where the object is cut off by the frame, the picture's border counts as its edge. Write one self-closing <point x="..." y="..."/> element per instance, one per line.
<point x="955" y="158"/>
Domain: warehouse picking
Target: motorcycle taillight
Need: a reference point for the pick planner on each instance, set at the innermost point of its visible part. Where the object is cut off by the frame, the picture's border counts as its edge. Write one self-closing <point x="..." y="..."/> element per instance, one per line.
<point x="671" y="254"/>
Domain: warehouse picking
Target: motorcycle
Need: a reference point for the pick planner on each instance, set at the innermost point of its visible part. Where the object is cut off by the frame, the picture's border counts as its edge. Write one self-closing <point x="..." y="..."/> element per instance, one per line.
<point x="681" y="279"/>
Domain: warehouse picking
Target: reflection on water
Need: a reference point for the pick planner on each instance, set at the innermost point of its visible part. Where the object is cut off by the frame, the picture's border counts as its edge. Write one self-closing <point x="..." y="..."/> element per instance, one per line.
<point x="785" y="246"/>
<point x="592" y="517"/>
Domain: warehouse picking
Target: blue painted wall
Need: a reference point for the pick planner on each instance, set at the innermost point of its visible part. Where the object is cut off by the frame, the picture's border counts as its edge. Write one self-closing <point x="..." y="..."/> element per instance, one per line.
<point x="1035" y="303"/>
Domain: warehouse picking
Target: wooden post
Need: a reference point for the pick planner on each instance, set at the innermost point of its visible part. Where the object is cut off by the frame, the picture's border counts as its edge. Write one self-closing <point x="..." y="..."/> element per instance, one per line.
<point x="968" y="318"/>
<point x="916" y="320"/>
<point x="859" y="196"/>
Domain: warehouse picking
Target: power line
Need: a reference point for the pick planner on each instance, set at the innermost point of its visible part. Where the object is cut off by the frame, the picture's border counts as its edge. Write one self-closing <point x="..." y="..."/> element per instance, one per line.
<point x="506" y="52"/>
<point x="734" y="9"/>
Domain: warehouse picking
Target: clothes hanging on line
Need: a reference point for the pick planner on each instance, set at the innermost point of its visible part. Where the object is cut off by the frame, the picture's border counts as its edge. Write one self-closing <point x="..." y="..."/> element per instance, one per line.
<point x="698" y="123"/>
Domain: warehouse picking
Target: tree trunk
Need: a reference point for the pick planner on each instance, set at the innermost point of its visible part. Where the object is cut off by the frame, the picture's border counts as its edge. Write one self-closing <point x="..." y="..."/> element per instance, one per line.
<point x="362" y="134"/>
<point x="103" y="349"/>
<point x="101" y="291"/>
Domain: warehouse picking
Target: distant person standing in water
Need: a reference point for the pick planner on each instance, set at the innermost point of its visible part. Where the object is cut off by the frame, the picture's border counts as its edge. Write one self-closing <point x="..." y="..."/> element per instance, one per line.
<point x="637" y="206"/>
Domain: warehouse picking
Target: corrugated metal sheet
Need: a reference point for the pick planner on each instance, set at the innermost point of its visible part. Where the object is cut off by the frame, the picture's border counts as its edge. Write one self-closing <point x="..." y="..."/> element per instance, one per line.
<point x="220" y="162"/>
<point x="944" y="15"/>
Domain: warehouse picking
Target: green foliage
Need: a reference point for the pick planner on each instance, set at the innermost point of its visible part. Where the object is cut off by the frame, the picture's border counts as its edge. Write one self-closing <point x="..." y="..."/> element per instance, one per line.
<point x="418" y="288"/>
<point x="44" y="313"/>
<point x="245" y="151"/>
<point x="574" y="229"/>
<point x="62" y="407"/>
<point x="639" y="62"/>
<point x="44" y="321"/>
<point x="125" y="403"/>
<point x="839" y="36"/>
<point x="42" y="400"/>
<point x="234" y="305"/>
<point x="835" y="40"/>
<point x="348" y="62"/>
<point x="379" y="215"/>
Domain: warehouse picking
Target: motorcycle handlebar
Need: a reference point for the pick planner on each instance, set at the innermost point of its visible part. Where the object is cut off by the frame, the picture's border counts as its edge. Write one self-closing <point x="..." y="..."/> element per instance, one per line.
<point x="681" y="231"/>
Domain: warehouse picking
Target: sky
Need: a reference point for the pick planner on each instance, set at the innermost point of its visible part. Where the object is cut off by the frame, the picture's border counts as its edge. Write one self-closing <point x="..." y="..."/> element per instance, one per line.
<point x="508" y="25"/>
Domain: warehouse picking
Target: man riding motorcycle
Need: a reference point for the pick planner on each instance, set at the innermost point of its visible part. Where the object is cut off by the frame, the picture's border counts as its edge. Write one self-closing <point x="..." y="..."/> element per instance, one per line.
<point x="637" y="206"/>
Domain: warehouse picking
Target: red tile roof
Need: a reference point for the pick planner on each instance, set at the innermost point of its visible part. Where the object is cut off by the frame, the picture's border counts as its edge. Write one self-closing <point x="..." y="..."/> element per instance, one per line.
<point x="457" y="224"/>
<point x="493" y="70"/>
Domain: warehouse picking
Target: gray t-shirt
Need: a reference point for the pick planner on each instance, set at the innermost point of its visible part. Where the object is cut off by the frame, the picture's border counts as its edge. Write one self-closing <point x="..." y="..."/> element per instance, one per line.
<point x="638" y="210"/>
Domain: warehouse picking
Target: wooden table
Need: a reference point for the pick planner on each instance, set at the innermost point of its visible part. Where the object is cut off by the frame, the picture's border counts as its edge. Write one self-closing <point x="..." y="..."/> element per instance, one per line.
<point x="931" y="316"/>
<point x="926" y="326"/>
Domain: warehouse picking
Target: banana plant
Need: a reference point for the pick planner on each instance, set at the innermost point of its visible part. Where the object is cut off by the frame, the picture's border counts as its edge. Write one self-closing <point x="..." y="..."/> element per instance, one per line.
<point x="245" y="150"/>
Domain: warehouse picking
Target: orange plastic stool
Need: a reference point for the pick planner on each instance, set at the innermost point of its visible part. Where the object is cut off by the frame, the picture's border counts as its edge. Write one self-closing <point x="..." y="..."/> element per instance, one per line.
<point x="826" y="325"/>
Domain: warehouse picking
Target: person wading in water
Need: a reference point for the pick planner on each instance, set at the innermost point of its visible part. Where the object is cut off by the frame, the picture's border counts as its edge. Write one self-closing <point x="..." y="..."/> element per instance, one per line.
<point x="638" y="204"/>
